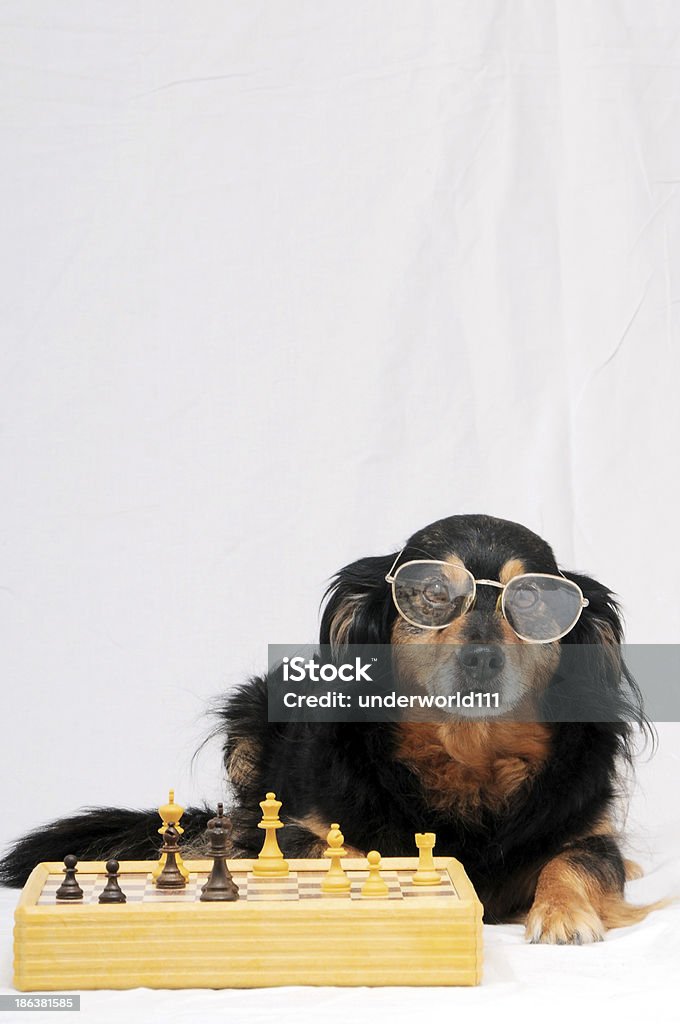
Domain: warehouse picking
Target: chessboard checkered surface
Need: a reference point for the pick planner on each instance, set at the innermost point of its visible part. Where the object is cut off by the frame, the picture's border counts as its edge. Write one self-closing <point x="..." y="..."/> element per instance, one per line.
<point x="139" y="887"/>
<point x="271" y="935"/>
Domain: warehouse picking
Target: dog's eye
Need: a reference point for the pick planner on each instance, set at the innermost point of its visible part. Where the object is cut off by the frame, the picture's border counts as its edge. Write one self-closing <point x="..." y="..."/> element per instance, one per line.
<point x="435" y="591"/>
<point x="525" y="596"/>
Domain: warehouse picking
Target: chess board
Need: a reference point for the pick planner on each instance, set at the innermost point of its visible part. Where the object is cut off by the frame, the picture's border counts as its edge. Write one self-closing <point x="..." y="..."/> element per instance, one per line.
<point x="281" y="931"/>
<point x="139" y="888"/>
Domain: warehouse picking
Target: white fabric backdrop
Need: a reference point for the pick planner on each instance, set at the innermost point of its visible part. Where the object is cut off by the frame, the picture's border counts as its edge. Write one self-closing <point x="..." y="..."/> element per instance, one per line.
<point x="285" y="282"/>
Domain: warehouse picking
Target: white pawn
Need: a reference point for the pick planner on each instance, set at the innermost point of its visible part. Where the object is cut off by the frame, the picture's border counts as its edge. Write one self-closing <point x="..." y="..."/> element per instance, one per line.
<point x="375" y="884"/>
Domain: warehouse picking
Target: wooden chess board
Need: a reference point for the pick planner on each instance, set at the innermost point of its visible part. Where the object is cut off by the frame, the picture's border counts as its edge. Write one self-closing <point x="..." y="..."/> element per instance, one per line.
<point x="298" y="885"/>
<point x="281" y="931"/>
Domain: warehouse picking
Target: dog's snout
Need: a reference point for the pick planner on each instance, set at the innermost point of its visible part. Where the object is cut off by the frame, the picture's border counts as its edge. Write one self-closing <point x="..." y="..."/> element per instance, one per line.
<point x="484" y="661"/>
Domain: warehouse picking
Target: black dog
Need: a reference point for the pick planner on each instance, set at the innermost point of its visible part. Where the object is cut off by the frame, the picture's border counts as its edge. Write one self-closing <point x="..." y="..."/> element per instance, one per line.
<point x="527" y="806"/>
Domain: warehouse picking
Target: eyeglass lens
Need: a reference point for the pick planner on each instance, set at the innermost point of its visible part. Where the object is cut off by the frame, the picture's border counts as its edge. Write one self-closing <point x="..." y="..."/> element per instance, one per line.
<point x="537" y="607"/>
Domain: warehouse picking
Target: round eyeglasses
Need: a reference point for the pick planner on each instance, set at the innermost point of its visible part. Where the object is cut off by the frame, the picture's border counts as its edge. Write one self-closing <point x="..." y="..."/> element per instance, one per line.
<point x="539" y="607"/>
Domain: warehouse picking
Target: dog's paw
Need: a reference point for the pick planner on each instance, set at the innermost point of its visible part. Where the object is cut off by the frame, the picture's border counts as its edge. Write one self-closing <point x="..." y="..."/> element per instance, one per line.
<point x="563" y="924"/>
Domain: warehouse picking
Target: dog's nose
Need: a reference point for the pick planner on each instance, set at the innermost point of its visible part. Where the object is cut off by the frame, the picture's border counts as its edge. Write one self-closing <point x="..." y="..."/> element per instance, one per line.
<point x="484" y="661"/>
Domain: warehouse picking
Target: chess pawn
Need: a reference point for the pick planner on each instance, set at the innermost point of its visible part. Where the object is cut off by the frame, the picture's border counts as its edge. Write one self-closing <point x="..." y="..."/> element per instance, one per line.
<point x="335" y="880"/>
<point x="220" y="886"/>
<point x="170" y="814"/>
<point x="426" y="873"/>
<point x="170" y="877"/>
<point x="375" y="884"/>
<point x="270" y="863"/>
<point x="69" y="888"/>
<point x="112" y="892"/>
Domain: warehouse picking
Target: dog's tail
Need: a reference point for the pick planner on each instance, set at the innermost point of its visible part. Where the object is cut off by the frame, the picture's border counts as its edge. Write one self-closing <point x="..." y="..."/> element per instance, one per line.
<point x="97" y="833"/>
<point x="616" y="912"/>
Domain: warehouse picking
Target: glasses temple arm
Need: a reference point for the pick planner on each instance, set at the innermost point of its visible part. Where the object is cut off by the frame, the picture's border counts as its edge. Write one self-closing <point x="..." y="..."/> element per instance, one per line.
<point x="389" y="577"/>
<point x="584" y="600"/>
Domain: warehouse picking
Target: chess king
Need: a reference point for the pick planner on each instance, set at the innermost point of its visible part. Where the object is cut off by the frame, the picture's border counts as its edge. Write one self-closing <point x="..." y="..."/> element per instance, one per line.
<point x="528" y="807"/>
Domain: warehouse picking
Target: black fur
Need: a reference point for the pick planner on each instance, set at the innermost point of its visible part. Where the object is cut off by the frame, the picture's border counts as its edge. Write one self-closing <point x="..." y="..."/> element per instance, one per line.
<point x="600" y="859"/>
<point x="97" y="833"/>
<point x="349" y="772"/>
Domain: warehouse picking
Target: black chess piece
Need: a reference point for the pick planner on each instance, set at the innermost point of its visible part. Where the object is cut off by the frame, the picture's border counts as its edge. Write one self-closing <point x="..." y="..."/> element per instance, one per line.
<point x="112" y="892"/>
<point x="69" y="888"/>
<point x="220" y="887"/>
<point x="170" y="877"/>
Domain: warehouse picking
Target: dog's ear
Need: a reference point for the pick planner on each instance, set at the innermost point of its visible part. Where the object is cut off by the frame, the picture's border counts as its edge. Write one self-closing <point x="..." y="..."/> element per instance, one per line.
<point x="599" y="630"/>
<point x="601" y="621"/>
<point x="359" y="608"/>
<point x="610" y="686"/>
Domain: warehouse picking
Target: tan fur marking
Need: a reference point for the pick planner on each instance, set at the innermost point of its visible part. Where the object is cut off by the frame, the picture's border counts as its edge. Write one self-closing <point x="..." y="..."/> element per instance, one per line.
<point x="342" y="622"/>
<point x="602" y="827"/>
<point x="313" y="823"/>
<point x="472" y="765"/>
<point x="513" y="567"/>
<point x="633" y="870"/>
<point x="242" y="761"/>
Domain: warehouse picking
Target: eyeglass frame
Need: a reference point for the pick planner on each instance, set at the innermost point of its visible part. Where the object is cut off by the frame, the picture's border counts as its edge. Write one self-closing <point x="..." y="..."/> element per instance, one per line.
<point x="391" y="579"/>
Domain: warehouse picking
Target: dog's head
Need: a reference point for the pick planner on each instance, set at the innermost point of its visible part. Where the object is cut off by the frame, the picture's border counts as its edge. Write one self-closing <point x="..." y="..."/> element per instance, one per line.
<point x="471" y="604"/>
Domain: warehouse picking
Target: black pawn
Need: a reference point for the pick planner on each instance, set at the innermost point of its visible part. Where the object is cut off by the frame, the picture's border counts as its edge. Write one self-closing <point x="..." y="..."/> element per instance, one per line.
<point x="112" y="892"/>
<point x="220" y="887"/>
<point x="69" y="888"/>
<point x="170" y="877"/>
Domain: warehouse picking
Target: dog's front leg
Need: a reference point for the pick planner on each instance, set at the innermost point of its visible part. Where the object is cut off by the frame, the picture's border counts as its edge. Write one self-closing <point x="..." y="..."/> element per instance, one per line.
<point x="576" y="892"/>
